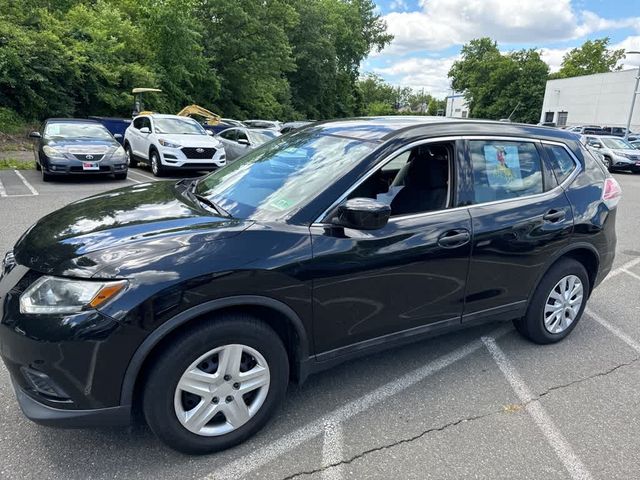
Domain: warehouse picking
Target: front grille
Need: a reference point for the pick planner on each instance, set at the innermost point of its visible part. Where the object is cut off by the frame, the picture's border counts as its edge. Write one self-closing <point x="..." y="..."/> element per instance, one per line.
<point x="198" y="153"/>
<point x="203" y="166"/>
<point x="88" y="157"/>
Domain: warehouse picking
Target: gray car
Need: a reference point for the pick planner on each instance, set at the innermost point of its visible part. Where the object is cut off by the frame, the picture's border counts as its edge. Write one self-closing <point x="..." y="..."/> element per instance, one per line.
<point x="71" y="146"/>
<point x="239" y="141"/>
<point x="618" y="154"/>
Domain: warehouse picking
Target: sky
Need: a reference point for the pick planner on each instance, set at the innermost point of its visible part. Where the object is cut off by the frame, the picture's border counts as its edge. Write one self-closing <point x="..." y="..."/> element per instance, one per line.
<point x="428" y="34"/>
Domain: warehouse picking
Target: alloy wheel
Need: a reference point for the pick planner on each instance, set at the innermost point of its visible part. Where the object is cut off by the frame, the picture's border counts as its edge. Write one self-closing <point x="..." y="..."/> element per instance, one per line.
<point x="563" y="304"/>
<point x="155" y="168"/>
<point x="222" y="390"/>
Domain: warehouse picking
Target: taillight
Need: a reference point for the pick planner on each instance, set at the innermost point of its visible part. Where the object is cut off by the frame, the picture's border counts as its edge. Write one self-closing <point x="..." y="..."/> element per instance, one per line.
<point x="611" y="192"/>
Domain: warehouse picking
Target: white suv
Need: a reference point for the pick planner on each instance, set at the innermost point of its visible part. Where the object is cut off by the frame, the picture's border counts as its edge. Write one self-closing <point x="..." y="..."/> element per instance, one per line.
<point x="172" y="142"/>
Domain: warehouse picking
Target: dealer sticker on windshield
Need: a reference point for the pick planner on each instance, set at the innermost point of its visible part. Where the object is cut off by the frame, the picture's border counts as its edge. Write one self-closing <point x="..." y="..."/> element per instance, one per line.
<point x="90" y="166"/>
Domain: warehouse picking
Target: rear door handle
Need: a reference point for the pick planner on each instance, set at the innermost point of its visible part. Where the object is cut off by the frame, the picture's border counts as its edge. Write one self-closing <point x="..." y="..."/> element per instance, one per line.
<point x="454" y="238"/>
<point x="554" y="216"/>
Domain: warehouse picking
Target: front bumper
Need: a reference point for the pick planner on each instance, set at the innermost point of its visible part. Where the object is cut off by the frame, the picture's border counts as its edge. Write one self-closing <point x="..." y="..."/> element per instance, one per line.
<point x="73" y="167"/>
<point x="66" y="370"/>
<point x="625" y="164"/>
<point x="176" y="158"/>
<point x="59" y="417"/>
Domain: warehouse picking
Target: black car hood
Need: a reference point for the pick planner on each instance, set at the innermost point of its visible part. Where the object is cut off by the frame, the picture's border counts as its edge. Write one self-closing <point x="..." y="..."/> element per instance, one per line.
<point x="95" y="234"/>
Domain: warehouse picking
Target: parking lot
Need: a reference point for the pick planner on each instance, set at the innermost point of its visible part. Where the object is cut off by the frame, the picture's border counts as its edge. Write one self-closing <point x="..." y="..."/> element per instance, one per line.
<point x="482" y="403"/>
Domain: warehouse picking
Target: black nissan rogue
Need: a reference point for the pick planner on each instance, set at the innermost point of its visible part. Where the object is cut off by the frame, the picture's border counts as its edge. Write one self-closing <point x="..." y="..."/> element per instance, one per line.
<point x="199" y="300"/>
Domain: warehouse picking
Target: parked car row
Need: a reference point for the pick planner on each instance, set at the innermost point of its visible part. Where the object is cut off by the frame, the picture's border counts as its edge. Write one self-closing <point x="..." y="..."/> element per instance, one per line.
<point x="615" y="152"/>
<point x="164" y="142"/>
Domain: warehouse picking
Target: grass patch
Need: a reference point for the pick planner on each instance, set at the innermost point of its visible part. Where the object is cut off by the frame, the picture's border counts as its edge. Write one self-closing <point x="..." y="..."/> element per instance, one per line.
<point x="13" y="164"/>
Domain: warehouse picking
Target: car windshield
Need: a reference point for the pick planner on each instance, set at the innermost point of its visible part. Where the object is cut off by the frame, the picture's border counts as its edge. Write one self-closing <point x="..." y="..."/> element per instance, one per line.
<point x="259" y="138"/>
<point x="76" y="129"/>
<point x="182" y="126"/>
<point x="277" y="179"/>
<point x="615" y="143"/>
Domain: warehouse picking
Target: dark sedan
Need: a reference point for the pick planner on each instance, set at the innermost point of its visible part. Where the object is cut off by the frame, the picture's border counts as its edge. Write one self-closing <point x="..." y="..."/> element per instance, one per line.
<point x="68" y="146"/>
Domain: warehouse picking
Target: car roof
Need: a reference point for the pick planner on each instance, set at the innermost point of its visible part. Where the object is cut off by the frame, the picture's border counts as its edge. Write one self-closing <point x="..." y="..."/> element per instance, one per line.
<point x="72" y="120"/>
<point x="385" y="128"/>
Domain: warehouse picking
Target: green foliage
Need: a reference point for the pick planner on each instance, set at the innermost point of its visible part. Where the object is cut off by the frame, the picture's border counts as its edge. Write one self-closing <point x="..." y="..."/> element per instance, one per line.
<point x="594" y="56"/>
<point x="496" y="84"/>
<point x="242" y="58"/>
<point x="13" y="164"/>
<point x="381" y="98"/>
<point x="10" y="121"/>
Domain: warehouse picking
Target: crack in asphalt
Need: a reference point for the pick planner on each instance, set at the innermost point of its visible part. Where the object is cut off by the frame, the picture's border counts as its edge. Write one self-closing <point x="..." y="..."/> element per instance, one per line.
<point x="455" y="423"/>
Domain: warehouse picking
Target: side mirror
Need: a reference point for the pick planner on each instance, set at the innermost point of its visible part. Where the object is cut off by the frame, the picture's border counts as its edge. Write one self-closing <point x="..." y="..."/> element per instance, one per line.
<point x="243" y="141"/>
<point x="35" y="135"/>
<point x="596" y="145"/>
<point x="362" y="214"/>
<point x="145" y="130"/>
<point x="117" y="136"/>
<point x="209" y="132"/>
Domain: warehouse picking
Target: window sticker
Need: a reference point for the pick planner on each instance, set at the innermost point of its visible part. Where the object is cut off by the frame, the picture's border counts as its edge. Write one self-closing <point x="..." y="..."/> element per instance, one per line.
<point x="502" y="165"/>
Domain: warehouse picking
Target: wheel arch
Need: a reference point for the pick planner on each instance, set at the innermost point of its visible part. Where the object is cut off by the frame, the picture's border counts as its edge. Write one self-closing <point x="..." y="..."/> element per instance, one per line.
<point x="275" y="313"/>
<point x="583" y="252"/>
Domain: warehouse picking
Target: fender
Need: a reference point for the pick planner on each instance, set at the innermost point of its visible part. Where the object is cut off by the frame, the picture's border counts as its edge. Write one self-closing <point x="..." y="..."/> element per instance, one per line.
<point x="133" y="370"/>
<point x="563" y="251"/>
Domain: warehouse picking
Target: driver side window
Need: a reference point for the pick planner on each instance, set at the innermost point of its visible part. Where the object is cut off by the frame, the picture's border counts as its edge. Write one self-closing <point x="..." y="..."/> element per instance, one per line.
<point x="415" y="181"/>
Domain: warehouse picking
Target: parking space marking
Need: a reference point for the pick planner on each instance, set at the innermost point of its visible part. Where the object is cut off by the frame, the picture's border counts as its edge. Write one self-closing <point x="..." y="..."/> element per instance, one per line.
<point x="142" y="175"/>
<point x="534" y="408"/>
<point x="3" y="192"/>
<point x="26" y="184"/>
<point x="256" y="459"/>
<point x="637" y="277"/>
<point x="332" y="451"/>
<point x="613" y="329"/>
<point x="621" y="269"/>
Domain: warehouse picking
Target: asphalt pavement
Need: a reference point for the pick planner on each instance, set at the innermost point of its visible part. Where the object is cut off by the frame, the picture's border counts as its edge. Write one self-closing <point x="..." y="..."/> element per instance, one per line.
<point x="482" y="403"/>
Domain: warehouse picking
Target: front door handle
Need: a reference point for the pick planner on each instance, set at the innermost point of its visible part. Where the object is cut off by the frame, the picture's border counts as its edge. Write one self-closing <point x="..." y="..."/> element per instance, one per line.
<point x="554" y="216"/>
<point x="454" y="238"/>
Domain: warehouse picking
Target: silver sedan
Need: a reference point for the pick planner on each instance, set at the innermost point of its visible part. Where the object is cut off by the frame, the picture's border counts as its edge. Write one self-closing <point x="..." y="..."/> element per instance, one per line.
<point x="239" y="141"/>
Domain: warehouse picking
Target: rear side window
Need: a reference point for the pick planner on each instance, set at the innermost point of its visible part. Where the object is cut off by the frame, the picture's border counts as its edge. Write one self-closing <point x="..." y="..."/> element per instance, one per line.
<point x="561" y="162"/>
<point x="504" y="170"/>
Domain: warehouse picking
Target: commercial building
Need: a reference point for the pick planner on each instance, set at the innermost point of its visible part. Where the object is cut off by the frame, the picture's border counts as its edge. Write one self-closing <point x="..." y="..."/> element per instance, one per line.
<point x="602" y="99"/>
<point x="457" y="106"/>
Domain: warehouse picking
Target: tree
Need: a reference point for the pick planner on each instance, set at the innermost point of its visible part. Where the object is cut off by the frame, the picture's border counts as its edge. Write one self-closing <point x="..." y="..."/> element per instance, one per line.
<point x="495" y="84"/>
<point x="594" y="56"/>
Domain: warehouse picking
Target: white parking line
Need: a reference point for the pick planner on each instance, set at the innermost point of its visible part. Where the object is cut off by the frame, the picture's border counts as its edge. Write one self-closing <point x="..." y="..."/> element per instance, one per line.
<point x="142" y="175"/>
<point x="613" y="329"/>
<point x="3" y="192"/>
<point x="256" y="459"/>
<point x="621" y="269"/>
<point x="628" y="272"/>
<point x="26" y="184"/>
<point x="332" y="451"/>
<point x="562" y="448"/>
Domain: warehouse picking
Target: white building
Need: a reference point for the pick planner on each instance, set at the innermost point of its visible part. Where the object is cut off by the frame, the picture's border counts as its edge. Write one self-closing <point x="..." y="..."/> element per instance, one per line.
<point x="601" y="99"/>
<point x="457" y="106"/>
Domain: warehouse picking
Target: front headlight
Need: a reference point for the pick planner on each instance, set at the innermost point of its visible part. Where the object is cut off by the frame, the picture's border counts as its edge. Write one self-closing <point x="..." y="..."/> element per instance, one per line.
<point x="53" y="152"/>
<point x="63" y="295"/>
<point x="626" y="155"/>
<point x="164" y="143"/>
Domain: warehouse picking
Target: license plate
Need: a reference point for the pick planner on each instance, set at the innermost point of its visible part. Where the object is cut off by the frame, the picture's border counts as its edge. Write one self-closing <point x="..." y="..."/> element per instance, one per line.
<point x="90" y="166"/>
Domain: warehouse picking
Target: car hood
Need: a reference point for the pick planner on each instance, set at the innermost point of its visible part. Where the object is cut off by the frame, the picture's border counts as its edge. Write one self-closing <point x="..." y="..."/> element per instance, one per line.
<point x="189" y="140"/>
<point x="96" y="234"/>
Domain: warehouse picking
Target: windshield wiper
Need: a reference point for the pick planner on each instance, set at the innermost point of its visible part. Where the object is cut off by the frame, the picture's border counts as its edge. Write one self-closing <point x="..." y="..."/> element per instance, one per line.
<point x="207" y="201"/>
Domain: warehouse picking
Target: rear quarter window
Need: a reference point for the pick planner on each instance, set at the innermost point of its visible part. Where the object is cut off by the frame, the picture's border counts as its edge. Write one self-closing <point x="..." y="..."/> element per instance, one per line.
<point x="562" y="163"/>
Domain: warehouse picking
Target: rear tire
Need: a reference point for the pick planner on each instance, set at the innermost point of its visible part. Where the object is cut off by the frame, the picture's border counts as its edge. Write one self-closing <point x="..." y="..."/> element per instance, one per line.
<point x="131" y="158"/>
<point x="168" y="409"/>
<point x="540" y="324"/>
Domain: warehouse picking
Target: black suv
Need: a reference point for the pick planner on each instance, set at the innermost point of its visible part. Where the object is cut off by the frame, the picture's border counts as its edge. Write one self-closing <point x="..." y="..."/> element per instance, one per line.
<point x="198" y="301"/>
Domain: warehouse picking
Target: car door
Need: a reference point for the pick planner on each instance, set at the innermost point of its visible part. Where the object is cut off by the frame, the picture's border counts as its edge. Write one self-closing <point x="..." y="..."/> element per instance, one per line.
<point x="374" y="286"/>
<point x="520" y="218"/>
<point x="134" y="134"/>
<point x="228" y="138"/>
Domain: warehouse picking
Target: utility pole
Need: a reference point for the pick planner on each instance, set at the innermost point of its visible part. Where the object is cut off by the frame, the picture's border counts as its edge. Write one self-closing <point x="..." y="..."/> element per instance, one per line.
<point x="633" y="97"/>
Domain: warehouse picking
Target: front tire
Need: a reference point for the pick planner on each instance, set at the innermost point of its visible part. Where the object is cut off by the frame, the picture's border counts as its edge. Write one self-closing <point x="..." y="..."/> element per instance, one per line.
<point x="608" y="163"/>
<point x="557" y="304"/>
<point x="216" y="385"/>
<point x="156" y="165"/>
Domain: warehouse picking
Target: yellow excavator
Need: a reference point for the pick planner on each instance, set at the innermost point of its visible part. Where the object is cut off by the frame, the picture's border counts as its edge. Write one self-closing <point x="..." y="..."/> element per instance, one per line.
<point x="207" y="116"/>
